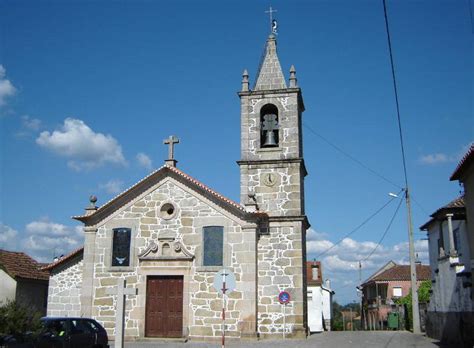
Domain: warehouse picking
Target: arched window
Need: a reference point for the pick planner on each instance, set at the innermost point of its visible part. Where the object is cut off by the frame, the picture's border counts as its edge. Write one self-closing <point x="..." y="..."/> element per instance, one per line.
<point x="269" y="124"/>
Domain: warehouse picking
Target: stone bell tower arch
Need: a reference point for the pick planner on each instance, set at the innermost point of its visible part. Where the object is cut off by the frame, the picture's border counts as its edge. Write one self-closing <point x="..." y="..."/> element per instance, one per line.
<point x="272" y="173"/>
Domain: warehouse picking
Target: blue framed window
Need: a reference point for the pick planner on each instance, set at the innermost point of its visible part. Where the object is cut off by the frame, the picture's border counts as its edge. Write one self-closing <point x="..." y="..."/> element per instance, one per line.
<point x="121" y="246"/>
<point x="213" y="240"/>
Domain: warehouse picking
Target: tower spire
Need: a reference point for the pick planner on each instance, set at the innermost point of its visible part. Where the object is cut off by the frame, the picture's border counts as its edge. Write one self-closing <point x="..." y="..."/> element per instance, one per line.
<point x="270" y="75"/>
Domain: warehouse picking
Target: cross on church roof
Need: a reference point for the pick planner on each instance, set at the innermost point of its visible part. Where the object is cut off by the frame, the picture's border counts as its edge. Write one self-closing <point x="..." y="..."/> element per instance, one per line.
<point x="170" y="142"/>
<point x="273" y="24"/>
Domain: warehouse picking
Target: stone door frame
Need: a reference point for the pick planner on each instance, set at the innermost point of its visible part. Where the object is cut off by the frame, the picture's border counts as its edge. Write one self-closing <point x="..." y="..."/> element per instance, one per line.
<point x="153" y="268"/>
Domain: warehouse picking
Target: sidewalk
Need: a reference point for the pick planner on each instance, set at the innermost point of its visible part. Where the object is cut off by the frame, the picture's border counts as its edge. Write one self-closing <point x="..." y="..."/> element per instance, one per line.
<point x="346" y="339"/>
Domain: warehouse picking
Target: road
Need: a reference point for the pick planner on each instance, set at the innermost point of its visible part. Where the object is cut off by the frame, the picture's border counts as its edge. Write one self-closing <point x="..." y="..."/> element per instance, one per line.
<point x="347" y="339"/>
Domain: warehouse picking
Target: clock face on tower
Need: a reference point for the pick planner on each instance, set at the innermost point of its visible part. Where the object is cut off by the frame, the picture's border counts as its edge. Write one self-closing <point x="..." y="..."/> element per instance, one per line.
<point x="269" y="179"/>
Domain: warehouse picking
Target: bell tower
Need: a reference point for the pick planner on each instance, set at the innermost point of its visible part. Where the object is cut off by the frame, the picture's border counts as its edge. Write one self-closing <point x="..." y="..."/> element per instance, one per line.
<point x="272" y="165"/>
<point x="272" y="173"/>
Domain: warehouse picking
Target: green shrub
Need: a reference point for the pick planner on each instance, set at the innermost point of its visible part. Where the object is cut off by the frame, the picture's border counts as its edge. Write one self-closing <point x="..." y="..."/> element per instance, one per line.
<point x="16" y="319"/>
<point x="423" y="297"/>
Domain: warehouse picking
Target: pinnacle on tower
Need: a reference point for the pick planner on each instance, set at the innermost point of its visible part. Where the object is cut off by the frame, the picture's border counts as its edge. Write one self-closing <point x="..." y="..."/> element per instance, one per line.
<point x="245" y="81"/>
<point x="270" y="75"/>
<point x="293" y="77"/>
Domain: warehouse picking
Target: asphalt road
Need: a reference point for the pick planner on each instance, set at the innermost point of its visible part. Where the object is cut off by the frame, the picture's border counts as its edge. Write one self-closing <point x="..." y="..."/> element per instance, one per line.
<point x="347" y="339"/>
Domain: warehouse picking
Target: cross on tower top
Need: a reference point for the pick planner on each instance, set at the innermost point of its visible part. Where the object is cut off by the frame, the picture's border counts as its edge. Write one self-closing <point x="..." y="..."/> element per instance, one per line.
<point x="273" y="23"/>
<point x="170" y="142"/>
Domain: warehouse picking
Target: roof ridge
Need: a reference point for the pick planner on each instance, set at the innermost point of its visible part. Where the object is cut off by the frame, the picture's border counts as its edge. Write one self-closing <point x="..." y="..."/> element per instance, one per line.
<point x="62" y="259"/>
<point x="176" y="171"/>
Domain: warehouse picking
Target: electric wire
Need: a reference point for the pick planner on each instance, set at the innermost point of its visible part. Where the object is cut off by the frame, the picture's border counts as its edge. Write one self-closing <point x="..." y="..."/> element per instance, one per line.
<point x="392" y="65"/>
<point x="385" y="232"/>
<point x="360" y="163"/>
<point x="360" y="225"/>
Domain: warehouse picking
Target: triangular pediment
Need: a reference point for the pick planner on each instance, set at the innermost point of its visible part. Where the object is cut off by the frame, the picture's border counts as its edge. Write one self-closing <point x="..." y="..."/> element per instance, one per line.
<point x="154" y="180"/>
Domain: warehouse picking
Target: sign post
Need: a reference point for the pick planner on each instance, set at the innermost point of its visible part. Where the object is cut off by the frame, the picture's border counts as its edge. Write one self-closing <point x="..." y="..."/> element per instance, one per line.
<point x="224" y="283"/>
<point x="284" y="298"/>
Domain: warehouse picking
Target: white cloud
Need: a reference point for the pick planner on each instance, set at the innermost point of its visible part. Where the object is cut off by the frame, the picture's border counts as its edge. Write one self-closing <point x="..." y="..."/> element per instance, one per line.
<point x="113" y="186"/>
<point x="6" y="87"/>
<point x="42" y="239"/>
<point x="7" y="236"/>
<point x="144" y="161"/>
<point x="29" y="123"/>
<point x="45" y="239"/>
<point x="29" y="126"/>
<point x="441" y="158"/>
<point x="84" y="148"/>
<point x="341" y="263"/>
<point x="436" y="158"/>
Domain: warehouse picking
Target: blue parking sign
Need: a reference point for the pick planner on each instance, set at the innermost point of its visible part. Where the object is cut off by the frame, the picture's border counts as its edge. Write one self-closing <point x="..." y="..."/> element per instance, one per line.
<point x="284" y="297"/>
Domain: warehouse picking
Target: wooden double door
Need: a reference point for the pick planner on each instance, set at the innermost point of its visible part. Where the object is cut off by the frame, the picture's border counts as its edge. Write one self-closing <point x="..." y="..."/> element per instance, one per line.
<point x="164" y="306"/>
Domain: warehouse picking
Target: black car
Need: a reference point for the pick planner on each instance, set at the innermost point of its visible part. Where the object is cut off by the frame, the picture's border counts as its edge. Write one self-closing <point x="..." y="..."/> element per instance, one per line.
<point x="65" y="332"/>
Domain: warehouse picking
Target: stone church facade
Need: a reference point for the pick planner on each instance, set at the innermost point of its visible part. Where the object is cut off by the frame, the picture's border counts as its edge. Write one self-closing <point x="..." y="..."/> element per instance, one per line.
<point x="169" y="234"/>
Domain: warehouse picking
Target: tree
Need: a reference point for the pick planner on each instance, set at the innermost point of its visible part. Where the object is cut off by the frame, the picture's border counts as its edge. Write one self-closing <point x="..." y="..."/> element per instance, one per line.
<point x="423" y="297"/>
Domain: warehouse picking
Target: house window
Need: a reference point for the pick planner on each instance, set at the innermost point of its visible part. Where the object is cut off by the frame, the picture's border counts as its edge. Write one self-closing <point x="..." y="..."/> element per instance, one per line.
<point x="213" y="237"/>
<point x="397" y="291"/>
<point x="441" y="239"/>
<point x="457" y="237"/>
<point x="121" y="247"/>
<point x="315" y="272"/>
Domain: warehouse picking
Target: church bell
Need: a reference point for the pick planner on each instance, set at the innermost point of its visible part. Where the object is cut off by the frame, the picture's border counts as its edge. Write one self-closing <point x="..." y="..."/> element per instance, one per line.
<point x="270" y="139"/>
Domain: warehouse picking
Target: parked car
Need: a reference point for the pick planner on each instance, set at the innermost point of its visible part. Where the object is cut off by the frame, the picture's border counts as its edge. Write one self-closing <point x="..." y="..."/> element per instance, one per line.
<point x="71" y="333"/>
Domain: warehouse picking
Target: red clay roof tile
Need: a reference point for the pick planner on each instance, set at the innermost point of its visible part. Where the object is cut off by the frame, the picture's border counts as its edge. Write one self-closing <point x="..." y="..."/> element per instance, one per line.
<point x="20" y="265"/>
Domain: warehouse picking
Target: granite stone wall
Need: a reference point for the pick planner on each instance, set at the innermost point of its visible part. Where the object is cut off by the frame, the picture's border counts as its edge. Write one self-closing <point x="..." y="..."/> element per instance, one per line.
<point x="64" y="290"/>
<point x="280" y="268"/>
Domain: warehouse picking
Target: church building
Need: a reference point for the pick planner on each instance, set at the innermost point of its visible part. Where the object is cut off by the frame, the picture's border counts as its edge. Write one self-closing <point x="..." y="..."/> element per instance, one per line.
<point x="169" y="234"/>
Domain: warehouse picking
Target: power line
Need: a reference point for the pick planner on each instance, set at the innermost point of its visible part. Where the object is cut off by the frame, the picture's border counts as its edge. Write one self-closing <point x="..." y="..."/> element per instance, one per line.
<point x="358" y="227"/>
<point x="385" y="232"/>
<point x="363" y="165"/>
<point x="392" y="65"/>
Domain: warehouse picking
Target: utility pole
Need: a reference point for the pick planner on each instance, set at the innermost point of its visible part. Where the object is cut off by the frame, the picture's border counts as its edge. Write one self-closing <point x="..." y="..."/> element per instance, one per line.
<point x="361" y="293"/>
<point x="414" y="289"/>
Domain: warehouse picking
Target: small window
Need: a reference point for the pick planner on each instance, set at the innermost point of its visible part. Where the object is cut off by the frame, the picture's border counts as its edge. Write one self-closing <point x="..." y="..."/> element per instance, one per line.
<point x="121" y="247"/>
<point x="315" y="272"/>
<point x="213" y="237"/>
<point x="397" y="292"/>
<point x="457" y="240"/>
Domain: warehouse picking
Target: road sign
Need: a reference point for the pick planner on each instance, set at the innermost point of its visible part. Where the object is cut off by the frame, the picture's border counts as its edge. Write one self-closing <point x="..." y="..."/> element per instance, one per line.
<point x="224" y="275"/>
<point x="284" y="297"/>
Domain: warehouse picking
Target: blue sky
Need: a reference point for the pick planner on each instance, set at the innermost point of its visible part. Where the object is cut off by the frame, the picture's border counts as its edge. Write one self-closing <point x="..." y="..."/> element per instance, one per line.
<point x="89" y="90"/>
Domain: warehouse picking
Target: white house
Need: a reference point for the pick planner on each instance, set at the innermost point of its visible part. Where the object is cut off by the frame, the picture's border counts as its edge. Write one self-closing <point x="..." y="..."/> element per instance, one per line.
<point x="450" y="315"/>
<point x="319" y="299"/>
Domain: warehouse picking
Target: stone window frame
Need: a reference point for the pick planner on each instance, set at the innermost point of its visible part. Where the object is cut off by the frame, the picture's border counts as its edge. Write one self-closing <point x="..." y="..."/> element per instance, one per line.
<point x="170" y="217"/>
<point x="259" y="147"/>
<point x="132" y="224"/>
<point x="199" y="225"/>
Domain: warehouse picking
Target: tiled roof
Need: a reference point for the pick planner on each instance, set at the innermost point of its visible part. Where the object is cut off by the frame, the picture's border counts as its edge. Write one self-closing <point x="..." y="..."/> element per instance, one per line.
<point x="455" y="206"/>
<point x="63" y="259"/>
<point x="402" y="272"/>
<point x="465" y="162"/>
<point x="20" y="265"/>
<point x="123" y="198"/>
